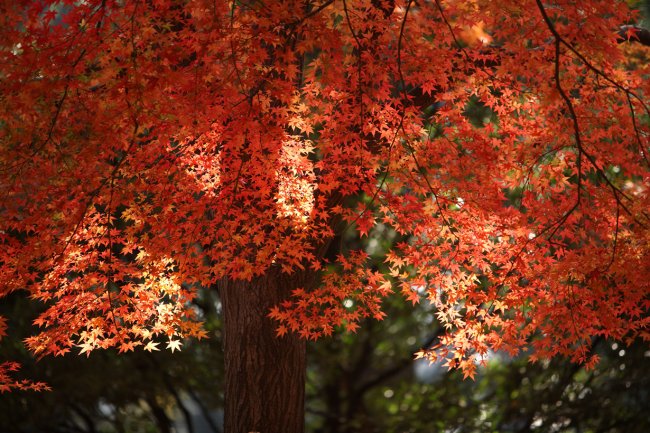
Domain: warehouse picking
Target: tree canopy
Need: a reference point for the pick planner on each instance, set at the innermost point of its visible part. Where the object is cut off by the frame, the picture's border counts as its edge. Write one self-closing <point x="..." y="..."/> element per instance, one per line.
<point x="149" y="148"/>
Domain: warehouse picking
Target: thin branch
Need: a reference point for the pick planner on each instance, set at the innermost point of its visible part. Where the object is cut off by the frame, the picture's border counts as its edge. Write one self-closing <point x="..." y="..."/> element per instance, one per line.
<point x="581" y="149"/>
<point x="314" y="12"/>
<point x="398" y="367"/>
<point x="584" y="60"/>
<point x="636" y="131"/>
<point x="611" y="261"/>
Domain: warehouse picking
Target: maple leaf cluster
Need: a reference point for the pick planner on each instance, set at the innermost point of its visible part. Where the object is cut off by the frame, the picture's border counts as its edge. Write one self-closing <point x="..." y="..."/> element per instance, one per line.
<point x="7" y="368"/>
<point x="149" y="148"/>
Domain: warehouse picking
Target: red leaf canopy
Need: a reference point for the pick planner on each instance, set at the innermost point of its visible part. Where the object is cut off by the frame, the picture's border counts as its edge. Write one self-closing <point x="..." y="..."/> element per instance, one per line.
<point x="151" y="147"/>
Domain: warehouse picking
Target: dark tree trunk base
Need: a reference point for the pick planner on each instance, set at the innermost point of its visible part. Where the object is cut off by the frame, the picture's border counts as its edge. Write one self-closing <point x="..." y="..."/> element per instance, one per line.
<point x="265" y="375"/>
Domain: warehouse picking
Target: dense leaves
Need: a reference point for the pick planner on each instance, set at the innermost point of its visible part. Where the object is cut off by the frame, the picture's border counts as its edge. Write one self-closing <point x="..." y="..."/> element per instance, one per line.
<point x="152" y="147"/>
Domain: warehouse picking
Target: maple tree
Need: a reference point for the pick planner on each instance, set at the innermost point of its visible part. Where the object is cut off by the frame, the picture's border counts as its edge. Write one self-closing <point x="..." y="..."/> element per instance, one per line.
<point x="153" y="147"/>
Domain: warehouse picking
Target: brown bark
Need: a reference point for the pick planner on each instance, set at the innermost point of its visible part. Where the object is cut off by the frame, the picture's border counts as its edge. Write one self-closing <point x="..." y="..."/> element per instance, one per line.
<point x="265" y="375"/>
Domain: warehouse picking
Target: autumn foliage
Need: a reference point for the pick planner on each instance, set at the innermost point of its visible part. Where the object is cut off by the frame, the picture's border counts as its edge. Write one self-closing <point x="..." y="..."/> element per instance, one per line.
<point x="152" y="147"/>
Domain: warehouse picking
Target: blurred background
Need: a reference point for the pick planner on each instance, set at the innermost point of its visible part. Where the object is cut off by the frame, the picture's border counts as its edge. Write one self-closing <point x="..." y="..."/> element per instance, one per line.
<point x="363" y="382"/>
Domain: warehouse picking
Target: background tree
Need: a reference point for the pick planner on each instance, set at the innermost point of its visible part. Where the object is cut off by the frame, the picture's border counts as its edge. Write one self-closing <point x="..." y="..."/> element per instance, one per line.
<point x="153" y="148"/>
<point x="348" y="389"/>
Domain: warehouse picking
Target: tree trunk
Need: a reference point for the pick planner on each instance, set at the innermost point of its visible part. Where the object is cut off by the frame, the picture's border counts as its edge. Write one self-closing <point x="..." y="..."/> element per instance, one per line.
<point x="265" y="374"/>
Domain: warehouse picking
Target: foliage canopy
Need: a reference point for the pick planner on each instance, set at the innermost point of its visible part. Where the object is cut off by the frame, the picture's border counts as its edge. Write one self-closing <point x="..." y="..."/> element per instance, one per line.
<point x="152" y="147"/>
